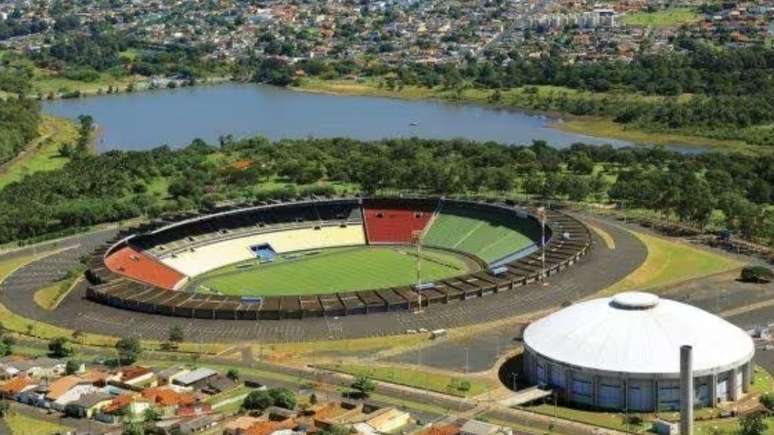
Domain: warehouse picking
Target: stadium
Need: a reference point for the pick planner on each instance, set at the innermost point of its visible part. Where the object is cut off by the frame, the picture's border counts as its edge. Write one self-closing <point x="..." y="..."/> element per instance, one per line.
<point x="623" y="353"/>
<point x="331" y="257"/>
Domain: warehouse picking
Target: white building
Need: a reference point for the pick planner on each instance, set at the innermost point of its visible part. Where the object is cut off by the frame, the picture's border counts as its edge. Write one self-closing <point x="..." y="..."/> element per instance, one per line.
<point x="624" y="353"/>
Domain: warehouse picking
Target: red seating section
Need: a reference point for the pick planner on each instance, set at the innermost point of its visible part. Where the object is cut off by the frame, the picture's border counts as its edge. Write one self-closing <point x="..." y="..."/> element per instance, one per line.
<point x="392" y="223"/>
<point x="136" y="265"/>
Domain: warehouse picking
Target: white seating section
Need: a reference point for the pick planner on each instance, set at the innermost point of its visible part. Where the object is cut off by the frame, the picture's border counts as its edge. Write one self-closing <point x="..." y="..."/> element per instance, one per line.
<point x="219" y="254"/>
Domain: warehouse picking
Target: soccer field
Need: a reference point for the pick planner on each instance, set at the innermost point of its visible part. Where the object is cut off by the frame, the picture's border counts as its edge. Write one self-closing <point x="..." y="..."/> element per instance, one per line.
<point x="333" y="270"/>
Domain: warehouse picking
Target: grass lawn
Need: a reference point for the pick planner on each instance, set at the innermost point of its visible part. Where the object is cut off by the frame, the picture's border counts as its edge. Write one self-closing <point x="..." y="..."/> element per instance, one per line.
<point x="43" y="153"/>
<point x="46" y="82"/>
<point x="240" y="390"/>
<point x="424" y="380"/>
<point x="609" y="420"/>
<point x="21" y="424"/>
<point x="333" y="270"/>
<point x="672" y="17"/>
<point x="356" y="345"/>
<point x="670" y="262"/>
<point x="605" y="127"/>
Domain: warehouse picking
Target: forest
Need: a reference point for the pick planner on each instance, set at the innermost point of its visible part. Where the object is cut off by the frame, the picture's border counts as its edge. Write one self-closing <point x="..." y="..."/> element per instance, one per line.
<point x="19" y="119"/>
<point x="727" y="93"/>
<point x="716" y="190"/>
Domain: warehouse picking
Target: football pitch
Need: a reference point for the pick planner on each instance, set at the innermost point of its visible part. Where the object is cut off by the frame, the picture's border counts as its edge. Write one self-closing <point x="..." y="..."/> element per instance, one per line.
<point x="331" y="271"/>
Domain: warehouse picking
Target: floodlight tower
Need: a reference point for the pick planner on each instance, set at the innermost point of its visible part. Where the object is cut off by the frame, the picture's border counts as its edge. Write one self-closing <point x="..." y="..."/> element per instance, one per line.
<point x="416" y="237"/>
<point x="542" y="215"/>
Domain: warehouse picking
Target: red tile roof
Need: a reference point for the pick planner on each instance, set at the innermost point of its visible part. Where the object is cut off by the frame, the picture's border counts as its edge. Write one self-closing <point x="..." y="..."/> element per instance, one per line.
<point x="167" y="397"/>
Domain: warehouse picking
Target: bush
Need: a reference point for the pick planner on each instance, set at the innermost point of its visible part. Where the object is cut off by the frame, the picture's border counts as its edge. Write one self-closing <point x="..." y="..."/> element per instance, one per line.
<point x="257" y="400"/>
<point x="758" y="274"/>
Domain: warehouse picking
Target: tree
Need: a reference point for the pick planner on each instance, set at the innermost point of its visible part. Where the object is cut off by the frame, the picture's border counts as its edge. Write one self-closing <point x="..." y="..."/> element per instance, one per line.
<point x="6" y="345"/>
<point x="257" y="400"/>
<point x="129" y="349"/>
<point x="767" y="400"/>
<point x="86" y="126"/>
<point x="151" y="414"/>
<point x="283" y="398"/>
<point x="752" y="424"/>
<point x="132" y="428"/>
<point x="363" y="385"/>
<point x="176" y="334"/>
<point x="72" y="367"/>
<point x="60" y="347"/>
<point x="233" y="374"/>
<point x="334" y="429"/>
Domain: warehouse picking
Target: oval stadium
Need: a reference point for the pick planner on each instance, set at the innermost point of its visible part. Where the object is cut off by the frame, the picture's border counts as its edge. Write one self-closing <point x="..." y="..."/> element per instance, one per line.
<point x="623" y="353"/>
<point x="331" y="257"/>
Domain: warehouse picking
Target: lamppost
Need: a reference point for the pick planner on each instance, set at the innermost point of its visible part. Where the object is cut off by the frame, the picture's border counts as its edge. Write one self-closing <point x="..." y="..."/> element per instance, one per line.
<point x="542" y="214"/>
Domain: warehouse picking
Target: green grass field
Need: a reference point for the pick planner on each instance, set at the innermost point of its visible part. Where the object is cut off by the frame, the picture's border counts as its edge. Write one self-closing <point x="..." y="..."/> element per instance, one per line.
<point x="659" y="19"/>
<point x="21" y="424"/>
<point x="331" y="271"/>
<point x="479" y="234"/>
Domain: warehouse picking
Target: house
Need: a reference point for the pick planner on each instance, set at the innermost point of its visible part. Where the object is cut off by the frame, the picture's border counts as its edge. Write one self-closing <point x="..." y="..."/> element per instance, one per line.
<point x="475" y="427"/>
<point x="240" y="425"/>
<point x="12" y="388"/>
<point x="388" y="420"/>
<point x="167" y="400"/>
<point x="194" y="376"/>
<point x="37" y="368"/>
<point x="124" y="407"/>
<point x="169" y="374"/>
<point x="269" y="427"/>
<point x="197" y="424"/>
<point x="215" y="384"/>
<point x="88" y="404"/>
<point x="136" y="375"/>
<point x="443" y="429"/>
<point x="72" y="395"/>
<point x="67" y="389"/>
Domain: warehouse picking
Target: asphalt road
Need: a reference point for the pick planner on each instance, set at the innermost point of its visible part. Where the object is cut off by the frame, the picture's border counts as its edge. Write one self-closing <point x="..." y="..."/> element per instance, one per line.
<point x="600" y="268"/>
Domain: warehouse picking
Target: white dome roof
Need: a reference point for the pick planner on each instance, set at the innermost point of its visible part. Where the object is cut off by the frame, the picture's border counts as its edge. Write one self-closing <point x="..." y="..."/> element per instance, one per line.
<point x="638" y="333"/>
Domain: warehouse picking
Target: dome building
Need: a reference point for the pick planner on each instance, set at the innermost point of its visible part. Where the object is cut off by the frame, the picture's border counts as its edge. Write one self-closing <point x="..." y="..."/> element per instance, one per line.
<point x="623" y="353"/>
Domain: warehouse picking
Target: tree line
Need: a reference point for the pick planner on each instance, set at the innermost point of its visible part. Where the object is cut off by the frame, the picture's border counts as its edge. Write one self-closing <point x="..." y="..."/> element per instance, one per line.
<point x="726" y="191"/>
<point x="732" y="89"/>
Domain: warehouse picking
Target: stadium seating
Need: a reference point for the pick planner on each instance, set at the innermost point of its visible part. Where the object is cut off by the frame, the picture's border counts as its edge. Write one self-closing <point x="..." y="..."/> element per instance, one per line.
<point x="395" y="222"/>
<point x="205" y="258"/>
<point x="487" y="234"/>
<point x="134" y="264"/>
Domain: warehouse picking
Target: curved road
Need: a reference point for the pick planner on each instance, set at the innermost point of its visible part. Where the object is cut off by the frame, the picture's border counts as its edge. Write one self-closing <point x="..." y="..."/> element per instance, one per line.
<point x="597" y="270"/>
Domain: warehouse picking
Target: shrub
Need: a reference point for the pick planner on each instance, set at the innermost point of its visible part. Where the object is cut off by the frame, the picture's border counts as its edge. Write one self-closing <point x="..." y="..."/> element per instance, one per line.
<point x="759" y="274"/>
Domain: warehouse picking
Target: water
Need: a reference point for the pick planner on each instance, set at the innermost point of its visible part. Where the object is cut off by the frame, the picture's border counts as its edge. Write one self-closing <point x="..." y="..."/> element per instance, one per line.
<point x="144" y="120"/>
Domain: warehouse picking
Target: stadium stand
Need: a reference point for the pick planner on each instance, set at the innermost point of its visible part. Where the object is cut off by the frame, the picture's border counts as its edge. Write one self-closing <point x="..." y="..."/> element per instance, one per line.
<point x="489" y="233"/>
<point x="391" y="221"/>
<point x="134" y="264"/>
<point x="196" y="261"/>
<point x="119" y="277"/>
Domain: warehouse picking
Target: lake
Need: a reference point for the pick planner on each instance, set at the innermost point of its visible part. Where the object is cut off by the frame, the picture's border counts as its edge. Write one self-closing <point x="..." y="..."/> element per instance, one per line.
<point x="175" y="117"/>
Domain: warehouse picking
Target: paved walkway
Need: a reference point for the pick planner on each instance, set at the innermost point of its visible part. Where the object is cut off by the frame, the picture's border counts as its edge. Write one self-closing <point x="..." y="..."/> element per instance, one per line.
<point x="595" y="271"/>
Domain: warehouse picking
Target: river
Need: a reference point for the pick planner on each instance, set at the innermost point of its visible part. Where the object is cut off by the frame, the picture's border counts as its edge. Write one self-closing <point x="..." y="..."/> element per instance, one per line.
<point x="174" y="117"/>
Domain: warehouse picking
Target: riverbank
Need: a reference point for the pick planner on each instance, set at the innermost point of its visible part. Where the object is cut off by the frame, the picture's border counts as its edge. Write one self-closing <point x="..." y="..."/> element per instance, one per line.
<point x="42" y="154"/>
<point x="520" y="99"/>
<point x="61" y="88"/>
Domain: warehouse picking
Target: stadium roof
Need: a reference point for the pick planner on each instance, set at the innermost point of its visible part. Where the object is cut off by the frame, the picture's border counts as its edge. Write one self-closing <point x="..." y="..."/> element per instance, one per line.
<point x="638" y="333"/>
